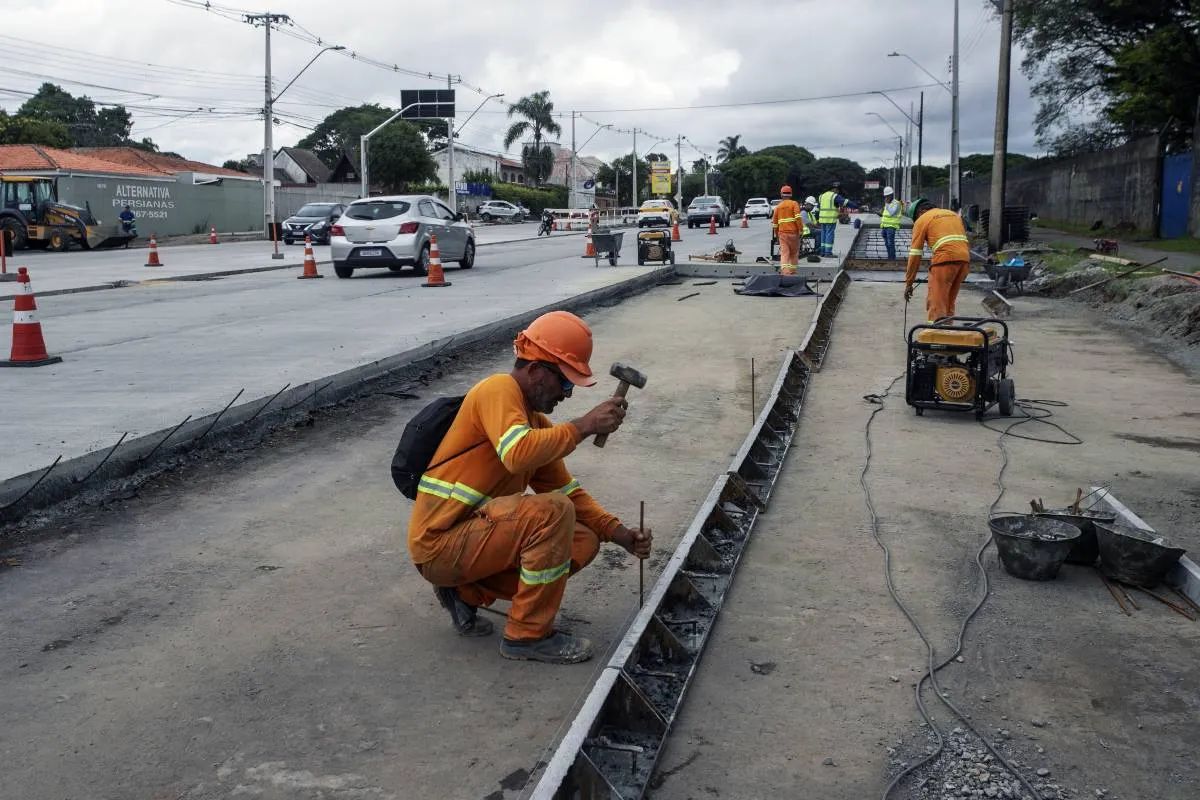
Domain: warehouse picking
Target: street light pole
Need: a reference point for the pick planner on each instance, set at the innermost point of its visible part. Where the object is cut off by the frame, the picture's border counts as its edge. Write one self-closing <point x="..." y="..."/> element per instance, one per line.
<point x="634" y="195"/>
<point x="955" y="178"/>
<point x="362" y="146"/>
<point x="268" y="162"/>
<point x="452" y="134"/>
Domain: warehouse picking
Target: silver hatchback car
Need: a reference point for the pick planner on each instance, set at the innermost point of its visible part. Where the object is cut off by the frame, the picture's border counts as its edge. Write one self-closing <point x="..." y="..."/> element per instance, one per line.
<point x="395" y="231"/>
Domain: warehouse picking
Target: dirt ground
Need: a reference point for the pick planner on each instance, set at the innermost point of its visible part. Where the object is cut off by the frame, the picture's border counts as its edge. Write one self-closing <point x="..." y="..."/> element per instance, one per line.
<point x="828" y="709"/>
<point x="253" y="626"/>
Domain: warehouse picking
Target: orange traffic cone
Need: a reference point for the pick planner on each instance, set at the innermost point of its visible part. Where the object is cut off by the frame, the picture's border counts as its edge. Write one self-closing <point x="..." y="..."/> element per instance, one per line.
<point x="712" y="225"/>
<point x="589" y="250"/>
<point x="436" y="276"/>
<point x="675" y="237"/>
<point x="212" y="235"/>
<point x="745" y="221"/>
<point x="28" y="346"/>
<point x="153" y="260"/>
<point x="310" y="261"/>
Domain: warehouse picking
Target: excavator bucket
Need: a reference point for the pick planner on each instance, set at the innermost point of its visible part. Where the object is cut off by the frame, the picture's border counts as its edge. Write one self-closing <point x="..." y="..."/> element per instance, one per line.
<point x="105" y="237"/>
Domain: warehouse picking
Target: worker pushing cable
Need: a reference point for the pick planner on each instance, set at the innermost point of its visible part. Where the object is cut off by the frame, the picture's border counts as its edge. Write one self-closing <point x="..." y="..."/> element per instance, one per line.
<point x="478" y="537"/>
<point x="943" y="231"/>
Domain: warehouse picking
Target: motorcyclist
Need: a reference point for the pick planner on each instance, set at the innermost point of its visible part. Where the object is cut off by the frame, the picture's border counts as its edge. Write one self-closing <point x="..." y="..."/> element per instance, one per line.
<point x="127" y="223"/>
<point x="547" y="222"/>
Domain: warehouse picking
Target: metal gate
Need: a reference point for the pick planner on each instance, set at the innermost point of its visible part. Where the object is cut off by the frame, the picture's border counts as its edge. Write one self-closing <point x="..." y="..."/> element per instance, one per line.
<point x="1176" y="196"/>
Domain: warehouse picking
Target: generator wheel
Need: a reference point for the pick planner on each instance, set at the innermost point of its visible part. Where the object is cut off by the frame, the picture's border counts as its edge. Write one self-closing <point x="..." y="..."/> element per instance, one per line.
<point x="672" y="258"/>
<point x="1006" y="396"/>
<point x="920" y="411"/>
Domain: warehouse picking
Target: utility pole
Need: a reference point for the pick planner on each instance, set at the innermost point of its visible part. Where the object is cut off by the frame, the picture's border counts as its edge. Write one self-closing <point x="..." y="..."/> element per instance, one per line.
<point x="451" y="194"/>
<point x="679" y="171"/>
<point x="571" y="179"/>
<point x="920" y="141"/>
<point x="1000" y="156"/>
<point x="955" y="179"/>
<point x="268" y="19"/>
<point x="905" y="160"/>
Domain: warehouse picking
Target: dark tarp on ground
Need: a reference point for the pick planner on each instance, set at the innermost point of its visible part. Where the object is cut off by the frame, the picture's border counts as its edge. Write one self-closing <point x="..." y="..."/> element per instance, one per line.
<point x="776" y="286"/>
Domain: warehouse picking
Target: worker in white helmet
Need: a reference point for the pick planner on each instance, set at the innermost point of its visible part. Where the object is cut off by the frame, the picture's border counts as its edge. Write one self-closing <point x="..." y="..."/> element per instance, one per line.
<point x="889" y="221"/>
<point x="808" y="215"/>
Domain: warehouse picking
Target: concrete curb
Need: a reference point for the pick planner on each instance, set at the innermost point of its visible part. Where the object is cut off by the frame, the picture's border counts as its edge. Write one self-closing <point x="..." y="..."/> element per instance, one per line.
<point x="69" y="478"/>
<point x="1184" y="576"/>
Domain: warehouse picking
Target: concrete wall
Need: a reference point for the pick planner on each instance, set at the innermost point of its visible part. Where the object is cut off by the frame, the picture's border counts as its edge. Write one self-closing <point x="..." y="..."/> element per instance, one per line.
<point x="1117" y="186"/>
<point x="289" y="199"/>
<point x="169" y="206"/>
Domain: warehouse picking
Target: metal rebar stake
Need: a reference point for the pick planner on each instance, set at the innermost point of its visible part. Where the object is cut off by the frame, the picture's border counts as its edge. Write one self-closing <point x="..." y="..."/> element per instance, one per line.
<point x="641" y="561"/>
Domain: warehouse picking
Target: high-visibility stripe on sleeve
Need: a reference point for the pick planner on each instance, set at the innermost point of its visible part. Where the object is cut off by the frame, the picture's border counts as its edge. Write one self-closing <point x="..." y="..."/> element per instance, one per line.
<point x="452" y="491"/>
<point x="570" y="488"/>
<point x="510" y="438"/>
<point x="916" y="251"/>
<point x="539" y="577"/>
<point x="954" y="237"/>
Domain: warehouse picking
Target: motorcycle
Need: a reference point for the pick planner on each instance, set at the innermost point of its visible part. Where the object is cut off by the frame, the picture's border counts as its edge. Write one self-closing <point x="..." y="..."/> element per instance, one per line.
<point x="547" y="225"/>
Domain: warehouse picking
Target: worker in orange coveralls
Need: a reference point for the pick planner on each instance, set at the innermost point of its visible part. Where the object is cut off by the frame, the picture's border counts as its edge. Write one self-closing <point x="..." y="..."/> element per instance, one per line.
<point x="943" y="231"/>
<point x="474" y="532"/>
<point x="788" y="227"/>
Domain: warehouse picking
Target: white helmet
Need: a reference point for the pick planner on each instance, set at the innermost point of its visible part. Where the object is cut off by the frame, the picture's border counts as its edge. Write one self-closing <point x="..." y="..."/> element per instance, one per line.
<point x="810" y="200"/>
<point x="887" y="190"/>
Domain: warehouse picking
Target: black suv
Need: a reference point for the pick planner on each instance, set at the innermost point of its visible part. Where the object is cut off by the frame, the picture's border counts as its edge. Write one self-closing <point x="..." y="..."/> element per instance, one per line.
<point x="314" y="219"/>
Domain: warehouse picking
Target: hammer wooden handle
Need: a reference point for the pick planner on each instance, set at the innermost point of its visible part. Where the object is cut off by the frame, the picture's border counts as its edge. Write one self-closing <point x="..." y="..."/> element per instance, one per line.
<point x="622" y="390"/>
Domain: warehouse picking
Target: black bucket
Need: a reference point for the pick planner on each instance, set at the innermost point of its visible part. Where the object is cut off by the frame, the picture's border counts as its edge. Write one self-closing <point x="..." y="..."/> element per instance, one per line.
<point x="1133" y="556"/>
<point x="1030" y="547"/>
<point x="1086" y="549"/>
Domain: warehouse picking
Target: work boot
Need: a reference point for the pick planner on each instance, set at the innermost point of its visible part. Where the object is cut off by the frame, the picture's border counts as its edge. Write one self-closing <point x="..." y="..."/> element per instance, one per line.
<point x="465" y="618"/>
<point x="557" y="648"/>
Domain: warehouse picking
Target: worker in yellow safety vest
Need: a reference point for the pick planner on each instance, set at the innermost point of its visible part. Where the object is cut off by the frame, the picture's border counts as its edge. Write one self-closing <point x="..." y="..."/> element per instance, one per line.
<point x="831" y="204"/>
<point x="889" y="220"/>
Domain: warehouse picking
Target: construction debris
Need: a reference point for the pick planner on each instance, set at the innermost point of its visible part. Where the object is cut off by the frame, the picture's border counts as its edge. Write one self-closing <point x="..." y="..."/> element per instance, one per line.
<point x="726" y="255"/>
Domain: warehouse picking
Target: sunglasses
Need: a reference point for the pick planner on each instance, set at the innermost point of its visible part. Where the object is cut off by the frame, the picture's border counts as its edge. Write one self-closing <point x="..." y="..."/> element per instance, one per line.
<point x="562" y="379"/>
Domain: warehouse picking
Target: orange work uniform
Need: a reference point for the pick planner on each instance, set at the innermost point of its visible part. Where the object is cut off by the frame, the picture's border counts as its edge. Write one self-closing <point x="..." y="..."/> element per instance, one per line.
<point x="788" y="227"/>
<point x="943" y="231"/>
<point x="473" y="526"/>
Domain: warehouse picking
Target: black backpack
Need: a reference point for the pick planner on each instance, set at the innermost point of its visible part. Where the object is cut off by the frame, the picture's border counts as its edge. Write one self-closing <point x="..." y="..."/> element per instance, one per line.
<point x="421" y="438"/>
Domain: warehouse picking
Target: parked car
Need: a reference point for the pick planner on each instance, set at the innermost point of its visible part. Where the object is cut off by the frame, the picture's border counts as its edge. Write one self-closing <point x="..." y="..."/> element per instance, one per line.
<point x="314" y="219"/>
<point x="394" y="232"/>
<point x="656" y="211"/>
<point x="704" y="208"/>
<point x="501" y="210"/>
<point x="758" y="207"/>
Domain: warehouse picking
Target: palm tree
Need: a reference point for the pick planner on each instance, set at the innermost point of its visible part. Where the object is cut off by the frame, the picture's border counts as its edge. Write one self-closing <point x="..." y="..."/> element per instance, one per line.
<point x="538" y="111"/>
<point x="729" y="149"/>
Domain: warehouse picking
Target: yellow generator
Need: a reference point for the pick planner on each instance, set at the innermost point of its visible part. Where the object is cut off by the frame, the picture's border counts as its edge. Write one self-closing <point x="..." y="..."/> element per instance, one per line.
<point x="960" y="364"/>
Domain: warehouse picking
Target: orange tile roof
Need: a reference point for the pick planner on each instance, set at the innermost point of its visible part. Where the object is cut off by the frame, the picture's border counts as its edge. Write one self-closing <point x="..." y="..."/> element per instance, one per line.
<point x="132" y="157"/>
<point x="27" y="157"/>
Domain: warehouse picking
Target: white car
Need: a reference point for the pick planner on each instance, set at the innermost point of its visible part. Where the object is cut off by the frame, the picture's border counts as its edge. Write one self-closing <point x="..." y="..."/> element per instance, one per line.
<point x="758" y="207"/>
<point x="395" y="231"/>
<point x="501" y="210"/>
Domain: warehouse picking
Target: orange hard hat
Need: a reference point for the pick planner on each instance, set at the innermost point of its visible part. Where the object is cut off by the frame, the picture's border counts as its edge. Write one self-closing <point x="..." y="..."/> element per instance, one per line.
<point x="785" y="190"/>
<point x="562" y="338"/>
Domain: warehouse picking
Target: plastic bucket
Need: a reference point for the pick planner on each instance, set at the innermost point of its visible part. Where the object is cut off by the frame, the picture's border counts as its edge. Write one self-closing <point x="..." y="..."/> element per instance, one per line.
<point x="1032" y="548"/>
<point x="1133" y="556"/>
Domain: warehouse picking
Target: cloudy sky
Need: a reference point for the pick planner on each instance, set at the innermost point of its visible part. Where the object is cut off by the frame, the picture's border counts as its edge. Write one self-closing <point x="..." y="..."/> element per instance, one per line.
<point x="721" y="68"/>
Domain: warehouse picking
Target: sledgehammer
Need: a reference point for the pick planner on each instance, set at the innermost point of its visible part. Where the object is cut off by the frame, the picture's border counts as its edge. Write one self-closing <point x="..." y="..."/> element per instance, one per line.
<point x="628" y="376"/>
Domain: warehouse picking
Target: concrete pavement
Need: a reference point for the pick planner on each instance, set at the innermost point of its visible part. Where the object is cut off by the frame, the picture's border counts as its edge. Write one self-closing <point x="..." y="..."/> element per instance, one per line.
<point x="140" y="359"/>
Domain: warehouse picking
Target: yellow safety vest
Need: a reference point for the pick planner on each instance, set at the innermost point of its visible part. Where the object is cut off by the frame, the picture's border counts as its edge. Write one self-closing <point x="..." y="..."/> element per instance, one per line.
<point x="828" y="211"/>
<point x="890" y="218"/>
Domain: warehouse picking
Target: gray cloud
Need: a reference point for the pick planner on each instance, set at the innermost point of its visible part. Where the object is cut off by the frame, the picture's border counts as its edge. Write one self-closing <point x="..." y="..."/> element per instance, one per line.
<point x="601" y="58"/>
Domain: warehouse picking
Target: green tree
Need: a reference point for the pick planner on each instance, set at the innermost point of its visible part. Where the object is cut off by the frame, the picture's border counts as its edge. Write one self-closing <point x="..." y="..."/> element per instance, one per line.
<point x="88" y="127"/>
<point x="27" y="130"/>
<point x="538" y="112"/>
<point x="752" y="176"/>
<point x="340" y="131"/>
<point x="819" y="176"/>
<point x="978" y="164"/>
<point x="729" y="149"/>
<point x="1135" y="63"/>
<point x="399" y="157"/>
<point x="243" y="165"/>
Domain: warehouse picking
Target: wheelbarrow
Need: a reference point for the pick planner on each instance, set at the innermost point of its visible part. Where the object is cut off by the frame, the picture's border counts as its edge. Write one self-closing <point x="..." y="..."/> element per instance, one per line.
<point x="607" y="243"/>
<point x="1013" y="272"/>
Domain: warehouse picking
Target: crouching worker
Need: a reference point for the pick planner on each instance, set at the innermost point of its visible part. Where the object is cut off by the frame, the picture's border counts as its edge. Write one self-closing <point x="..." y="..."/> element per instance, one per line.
<point x="475" y="533"/>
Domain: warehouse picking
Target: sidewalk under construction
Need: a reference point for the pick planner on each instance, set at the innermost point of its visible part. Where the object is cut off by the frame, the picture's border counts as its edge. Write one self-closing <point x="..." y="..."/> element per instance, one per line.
<point x="256" y="627"/>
